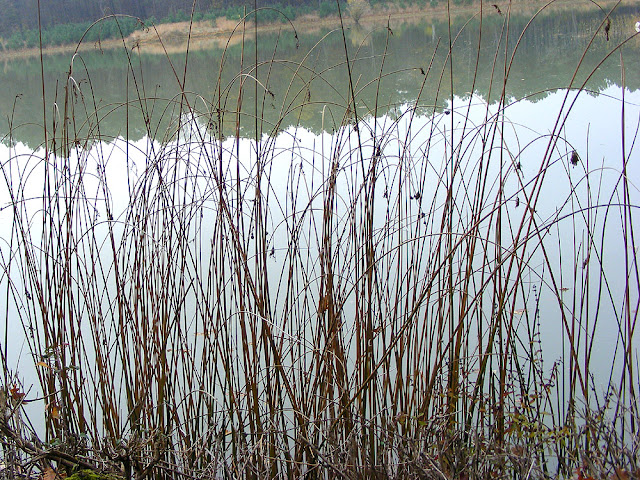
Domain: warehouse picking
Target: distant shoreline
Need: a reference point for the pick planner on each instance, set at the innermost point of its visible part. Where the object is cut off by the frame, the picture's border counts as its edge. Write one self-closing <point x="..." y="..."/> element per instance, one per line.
<point x="204" y="34"/>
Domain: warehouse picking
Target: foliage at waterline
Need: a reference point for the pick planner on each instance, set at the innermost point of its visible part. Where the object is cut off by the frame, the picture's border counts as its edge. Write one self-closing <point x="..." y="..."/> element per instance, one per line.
<point x="67" y="26"/>
<point x="546" y="59"/>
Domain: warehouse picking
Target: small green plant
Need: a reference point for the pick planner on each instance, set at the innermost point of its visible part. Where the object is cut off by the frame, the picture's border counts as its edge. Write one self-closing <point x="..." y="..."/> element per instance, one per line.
<point x="92" y="475"/>
<point x="327" y="8"/>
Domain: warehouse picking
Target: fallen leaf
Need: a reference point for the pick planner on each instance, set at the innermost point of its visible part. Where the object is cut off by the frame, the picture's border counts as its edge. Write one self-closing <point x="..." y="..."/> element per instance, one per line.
<point x="50" y="474"/>
<point x="582" y="477"/>
<point x="620" y="474"/>
<point x="43" y="364"/>
<point x="16" y="394"/>
<point x="55" y="412"/>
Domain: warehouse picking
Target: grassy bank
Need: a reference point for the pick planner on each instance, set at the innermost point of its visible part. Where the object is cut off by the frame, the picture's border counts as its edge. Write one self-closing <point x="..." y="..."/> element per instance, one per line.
<point x="215" y="26"/>
<point x="366" y="304"/>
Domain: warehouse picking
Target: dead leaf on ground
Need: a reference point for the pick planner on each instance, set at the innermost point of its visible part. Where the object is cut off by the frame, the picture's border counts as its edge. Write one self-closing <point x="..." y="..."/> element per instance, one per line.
<point x="50" y="474"/>
<point x="620" y="474"/>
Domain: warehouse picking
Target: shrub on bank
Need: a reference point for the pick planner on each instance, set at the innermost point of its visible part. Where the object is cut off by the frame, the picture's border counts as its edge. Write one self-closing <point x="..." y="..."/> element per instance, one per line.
<point x="72" y="33"/>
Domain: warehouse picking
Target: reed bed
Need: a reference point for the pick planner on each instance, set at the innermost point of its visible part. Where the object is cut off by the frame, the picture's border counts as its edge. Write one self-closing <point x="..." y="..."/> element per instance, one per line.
<point x="368" y="303"/>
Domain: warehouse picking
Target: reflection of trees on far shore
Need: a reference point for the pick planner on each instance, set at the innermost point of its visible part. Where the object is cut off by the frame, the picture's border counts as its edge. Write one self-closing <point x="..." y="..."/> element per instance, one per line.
<point x="308" y="75"/>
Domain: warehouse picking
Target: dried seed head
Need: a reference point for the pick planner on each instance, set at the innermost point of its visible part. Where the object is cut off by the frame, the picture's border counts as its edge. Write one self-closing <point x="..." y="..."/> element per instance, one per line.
<point x="575" y="158"/>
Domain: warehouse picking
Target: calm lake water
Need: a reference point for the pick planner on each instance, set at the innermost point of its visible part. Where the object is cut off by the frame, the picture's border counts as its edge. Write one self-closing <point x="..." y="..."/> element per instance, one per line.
<point x="311" y="70"/>
<point x="128" y="104"/>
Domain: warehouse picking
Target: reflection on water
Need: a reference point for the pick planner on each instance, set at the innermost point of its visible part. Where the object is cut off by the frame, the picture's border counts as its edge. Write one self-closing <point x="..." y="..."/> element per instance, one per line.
<point x="304" y="80"/>
<point x="562" y="261"/>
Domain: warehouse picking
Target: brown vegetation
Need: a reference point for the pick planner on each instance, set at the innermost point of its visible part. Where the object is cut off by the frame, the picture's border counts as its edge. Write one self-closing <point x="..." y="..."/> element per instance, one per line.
<point x="372" y="310"/>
